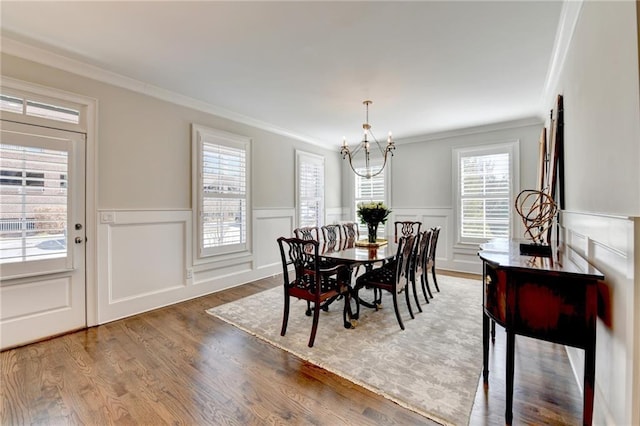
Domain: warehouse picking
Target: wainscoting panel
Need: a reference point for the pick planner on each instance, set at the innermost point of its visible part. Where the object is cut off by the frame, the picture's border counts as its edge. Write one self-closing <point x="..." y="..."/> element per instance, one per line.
<point x="268" y="226"/>
<point x="143" y="257"/>
<point x="607" y="242"/>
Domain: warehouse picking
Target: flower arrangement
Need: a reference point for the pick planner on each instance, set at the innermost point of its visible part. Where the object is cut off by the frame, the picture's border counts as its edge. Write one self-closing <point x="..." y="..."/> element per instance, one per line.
<point x="372" y="214"/>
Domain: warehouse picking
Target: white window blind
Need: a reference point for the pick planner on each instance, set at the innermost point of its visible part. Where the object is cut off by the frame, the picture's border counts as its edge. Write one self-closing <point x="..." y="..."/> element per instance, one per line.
<point x="485" y="193"/>
<point x="33" y="208"/>
<point x="310" y="181"/>
<point x="223" y="193"/>
<point x="368" y="190"/>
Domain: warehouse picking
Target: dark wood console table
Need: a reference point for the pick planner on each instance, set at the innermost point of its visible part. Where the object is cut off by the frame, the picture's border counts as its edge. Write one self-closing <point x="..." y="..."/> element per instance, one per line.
<point x="549" y="298"/>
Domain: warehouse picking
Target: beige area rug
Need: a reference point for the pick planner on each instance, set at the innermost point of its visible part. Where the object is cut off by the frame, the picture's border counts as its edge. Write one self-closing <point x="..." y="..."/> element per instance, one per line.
<point x="431" y="368"/>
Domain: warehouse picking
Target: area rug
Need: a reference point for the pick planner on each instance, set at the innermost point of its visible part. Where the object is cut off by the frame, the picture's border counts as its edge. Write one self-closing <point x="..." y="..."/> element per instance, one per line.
<point x="432" y="367"/>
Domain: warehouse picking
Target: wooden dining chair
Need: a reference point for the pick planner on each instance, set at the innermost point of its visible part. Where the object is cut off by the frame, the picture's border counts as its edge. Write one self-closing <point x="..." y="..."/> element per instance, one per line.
<point x="405" y="228"/>
<point x="318" y="286"/>
<point x="421" y="265"/>
<point x="332" y="235"/>
<point x="394" y="280"/>
<point x="307" y="233"/>
<point x="431" y="263"/>
<point x="350" y="231"/>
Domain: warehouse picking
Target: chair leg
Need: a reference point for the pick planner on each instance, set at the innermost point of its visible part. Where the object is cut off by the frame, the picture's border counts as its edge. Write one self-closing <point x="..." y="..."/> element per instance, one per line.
<point x="314" y="326"/>
<point x="406" y="298"/>
<point x="435" y="280"/>
<point x="285" y="315"/>
<point x="395" y="306"/>
<point x="415" y="294"/>
<point x="425" y="283"/>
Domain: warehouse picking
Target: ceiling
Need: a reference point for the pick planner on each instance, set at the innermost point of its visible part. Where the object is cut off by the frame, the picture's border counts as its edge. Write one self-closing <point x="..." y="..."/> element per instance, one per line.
<point x="305" y="67"/>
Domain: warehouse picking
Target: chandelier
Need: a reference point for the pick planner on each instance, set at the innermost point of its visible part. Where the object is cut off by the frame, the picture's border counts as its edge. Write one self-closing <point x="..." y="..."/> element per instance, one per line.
<point x="365" y="146"/>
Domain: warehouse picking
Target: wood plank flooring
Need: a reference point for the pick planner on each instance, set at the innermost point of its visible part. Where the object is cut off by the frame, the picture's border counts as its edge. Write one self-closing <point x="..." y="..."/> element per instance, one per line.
<point x="179" y="365"/>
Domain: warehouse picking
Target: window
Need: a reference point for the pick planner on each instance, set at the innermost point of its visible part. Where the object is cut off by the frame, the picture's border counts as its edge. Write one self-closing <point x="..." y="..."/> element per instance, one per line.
<point x="34" y="108"/>
<point x="310" y="181"/>
<point x="485" y="179"/>
<point x="33" y="222"/>
<point x="367" y="190"/>
<point x="221" y="190"/>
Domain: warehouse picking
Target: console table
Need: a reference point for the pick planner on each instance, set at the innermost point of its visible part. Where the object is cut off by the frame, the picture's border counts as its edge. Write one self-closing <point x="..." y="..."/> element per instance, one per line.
<point x="549" y="298"/>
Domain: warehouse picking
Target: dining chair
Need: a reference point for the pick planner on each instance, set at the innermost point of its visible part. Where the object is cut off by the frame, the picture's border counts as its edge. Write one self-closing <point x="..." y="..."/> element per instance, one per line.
<point x="350" y="231"/>
<point x="307" y="233"/>
<point x="405" y="228"/>
<point x="318" y="286"/>
<point x="332" y="235"/>
<point x="421" y="268"/>
<point x="432" y="255"/>
<point x="414" y="266"/>
<point x="394" y="280"/>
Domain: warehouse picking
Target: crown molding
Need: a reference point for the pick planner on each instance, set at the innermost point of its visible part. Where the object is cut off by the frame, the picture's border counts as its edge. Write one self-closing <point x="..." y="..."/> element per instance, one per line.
<point x="569" y="16"/>
<point x="42" y="56"/>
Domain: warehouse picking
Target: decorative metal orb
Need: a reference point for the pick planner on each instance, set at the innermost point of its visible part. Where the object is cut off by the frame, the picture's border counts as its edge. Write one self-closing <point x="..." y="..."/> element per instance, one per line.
<point x="537" y="210"/>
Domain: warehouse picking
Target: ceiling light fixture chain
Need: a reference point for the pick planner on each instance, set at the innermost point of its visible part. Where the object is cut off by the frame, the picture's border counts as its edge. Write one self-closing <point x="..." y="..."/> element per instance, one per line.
<point x="366" y="146"/>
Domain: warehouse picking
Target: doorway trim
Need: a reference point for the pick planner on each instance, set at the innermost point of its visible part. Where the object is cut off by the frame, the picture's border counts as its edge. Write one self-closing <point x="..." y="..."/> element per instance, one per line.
<point x="89" y="127"/>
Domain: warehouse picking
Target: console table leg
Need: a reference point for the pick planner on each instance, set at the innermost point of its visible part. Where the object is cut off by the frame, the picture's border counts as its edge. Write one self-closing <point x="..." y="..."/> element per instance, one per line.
<point x="589" y="382"/>
<point x="511" y="337"/>
<point x="485" y="347"/>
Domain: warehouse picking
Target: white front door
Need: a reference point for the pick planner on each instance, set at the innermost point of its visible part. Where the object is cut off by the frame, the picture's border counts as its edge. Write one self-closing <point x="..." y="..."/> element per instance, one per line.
<point x="42" y="235"/>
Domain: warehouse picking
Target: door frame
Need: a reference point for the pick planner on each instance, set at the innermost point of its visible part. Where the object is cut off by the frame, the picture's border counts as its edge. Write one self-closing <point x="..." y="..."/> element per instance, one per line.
<point x="88" y="125"/>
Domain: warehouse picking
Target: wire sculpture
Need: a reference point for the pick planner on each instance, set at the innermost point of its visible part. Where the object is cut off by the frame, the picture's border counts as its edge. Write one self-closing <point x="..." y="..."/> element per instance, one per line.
<point x="537" y="210"/>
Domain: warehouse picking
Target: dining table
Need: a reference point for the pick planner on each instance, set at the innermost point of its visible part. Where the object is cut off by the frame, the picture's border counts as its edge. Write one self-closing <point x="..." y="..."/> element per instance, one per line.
<point x="354" y="254"/>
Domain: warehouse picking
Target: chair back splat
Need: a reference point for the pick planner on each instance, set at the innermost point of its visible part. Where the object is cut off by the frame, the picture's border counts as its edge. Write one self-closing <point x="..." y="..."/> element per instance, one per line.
<point x="406" y="228"/>
<point x="307" y="233"/>
<point x="351" y="231"/>
<point x="332" y="235"/>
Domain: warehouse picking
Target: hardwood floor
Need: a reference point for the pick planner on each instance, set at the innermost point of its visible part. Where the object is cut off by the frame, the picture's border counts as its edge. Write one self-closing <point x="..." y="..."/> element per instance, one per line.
<point x="179" y="365"/>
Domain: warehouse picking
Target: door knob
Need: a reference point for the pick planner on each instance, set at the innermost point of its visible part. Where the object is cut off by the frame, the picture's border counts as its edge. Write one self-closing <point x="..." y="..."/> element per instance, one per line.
<point x="78" y="240"/>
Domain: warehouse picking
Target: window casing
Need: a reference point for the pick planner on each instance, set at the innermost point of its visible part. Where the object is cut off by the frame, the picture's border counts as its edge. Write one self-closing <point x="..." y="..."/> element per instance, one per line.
<point x="310" y="189"/>
<point x="222" y="190"/>
<point x="485" y="181"/>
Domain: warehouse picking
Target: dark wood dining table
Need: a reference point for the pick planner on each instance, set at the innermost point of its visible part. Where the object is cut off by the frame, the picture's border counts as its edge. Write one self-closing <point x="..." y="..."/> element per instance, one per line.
<point x="353" y="255"/>
<point x="350" y="253"/>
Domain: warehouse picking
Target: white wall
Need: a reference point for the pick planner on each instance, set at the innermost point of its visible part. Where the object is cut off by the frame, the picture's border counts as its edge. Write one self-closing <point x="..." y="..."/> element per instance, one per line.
<point x="143" y="215"/>
<point x="600" y="86"/>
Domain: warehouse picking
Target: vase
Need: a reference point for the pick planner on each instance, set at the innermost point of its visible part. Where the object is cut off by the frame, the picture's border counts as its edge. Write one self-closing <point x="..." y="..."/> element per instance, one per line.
<point x="372" y="228"/>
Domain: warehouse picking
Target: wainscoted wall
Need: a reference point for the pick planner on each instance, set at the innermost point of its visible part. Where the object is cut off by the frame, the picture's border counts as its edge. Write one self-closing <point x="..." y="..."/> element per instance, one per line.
<point x="143" y="258"/>
<point x="607" y="242"/>
<point x="450" y="256"/>
<point x="146" y="261"/>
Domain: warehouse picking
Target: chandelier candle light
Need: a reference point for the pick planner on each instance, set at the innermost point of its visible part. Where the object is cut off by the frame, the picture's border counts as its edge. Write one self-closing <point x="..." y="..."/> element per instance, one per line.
<point x="365" y="146"/>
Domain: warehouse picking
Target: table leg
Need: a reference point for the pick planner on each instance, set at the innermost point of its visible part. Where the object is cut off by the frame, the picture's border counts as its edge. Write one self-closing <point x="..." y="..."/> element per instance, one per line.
<point x="485" y="347"/>
<point x="589" y="381"/>
<point x="511" y="337"/>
